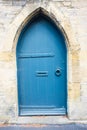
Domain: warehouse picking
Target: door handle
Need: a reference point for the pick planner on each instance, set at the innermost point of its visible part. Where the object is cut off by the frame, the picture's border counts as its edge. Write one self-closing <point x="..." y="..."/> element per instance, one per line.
<point x="58" y="72"/>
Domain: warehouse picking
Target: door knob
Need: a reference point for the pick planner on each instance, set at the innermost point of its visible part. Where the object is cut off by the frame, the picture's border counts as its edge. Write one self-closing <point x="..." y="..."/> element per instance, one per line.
<point x="58" y="72"/>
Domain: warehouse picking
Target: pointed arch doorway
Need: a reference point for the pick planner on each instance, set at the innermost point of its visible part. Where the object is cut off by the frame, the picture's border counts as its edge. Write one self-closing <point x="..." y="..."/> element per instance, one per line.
<point x="41" y="69"/>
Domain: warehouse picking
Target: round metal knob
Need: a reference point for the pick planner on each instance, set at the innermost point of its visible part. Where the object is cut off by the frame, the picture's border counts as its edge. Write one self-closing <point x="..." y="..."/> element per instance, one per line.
<point x="58" y="72"/>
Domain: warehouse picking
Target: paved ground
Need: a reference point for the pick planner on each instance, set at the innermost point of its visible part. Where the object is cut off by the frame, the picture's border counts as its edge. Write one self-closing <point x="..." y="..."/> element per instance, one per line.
<point x="46" y="127"/>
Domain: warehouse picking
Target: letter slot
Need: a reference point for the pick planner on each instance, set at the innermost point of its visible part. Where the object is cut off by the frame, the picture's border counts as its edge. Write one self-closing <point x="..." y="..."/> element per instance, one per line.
<point x="42" y="73"/>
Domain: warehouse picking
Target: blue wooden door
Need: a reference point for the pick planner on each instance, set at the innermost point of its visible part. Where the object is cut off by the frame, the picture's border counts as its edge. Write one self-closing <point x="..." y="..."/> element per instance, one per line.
<point x="41" y="69"/>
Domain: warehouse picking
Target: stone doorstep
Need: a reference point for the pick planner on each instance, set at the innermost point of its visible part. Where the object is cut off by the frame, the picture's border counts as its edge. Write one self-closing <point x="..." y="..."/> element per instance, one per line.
<point x="41" y="120"/>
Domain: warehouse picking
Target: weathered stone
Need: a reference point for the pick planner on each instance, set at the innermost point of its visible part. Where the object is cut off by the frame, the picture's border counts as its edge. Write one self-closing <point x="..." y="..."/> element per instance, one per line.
<point x="70" y="16"/>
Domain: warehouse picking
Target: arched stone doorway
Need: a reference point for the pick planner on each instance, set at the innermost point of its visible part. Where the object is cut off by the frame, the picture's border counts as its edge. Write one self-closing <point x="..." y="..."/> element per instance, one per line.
<point x="42" y="71"/>
<point x="73" y="53"/>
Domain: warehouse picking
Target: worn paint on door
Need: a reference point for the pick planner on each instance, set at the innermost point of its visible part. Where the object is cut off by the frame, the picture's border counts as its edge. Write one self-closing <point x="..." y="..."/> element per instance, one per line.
<point x="41" y="69"/>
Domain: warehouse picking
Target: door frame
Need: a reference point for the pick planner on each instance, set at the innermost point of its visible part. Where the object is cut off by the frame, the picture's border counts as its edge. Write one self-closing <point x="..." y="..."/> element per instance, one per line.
<point x="42" y="11"/>
<point x="25" y="111"/>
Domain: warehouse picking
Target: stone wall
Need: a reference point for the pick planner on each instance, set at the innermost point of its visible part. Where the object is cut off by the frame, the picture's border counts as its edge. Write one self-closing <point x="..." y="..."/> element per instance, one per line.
<point x="71" y="17"/>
